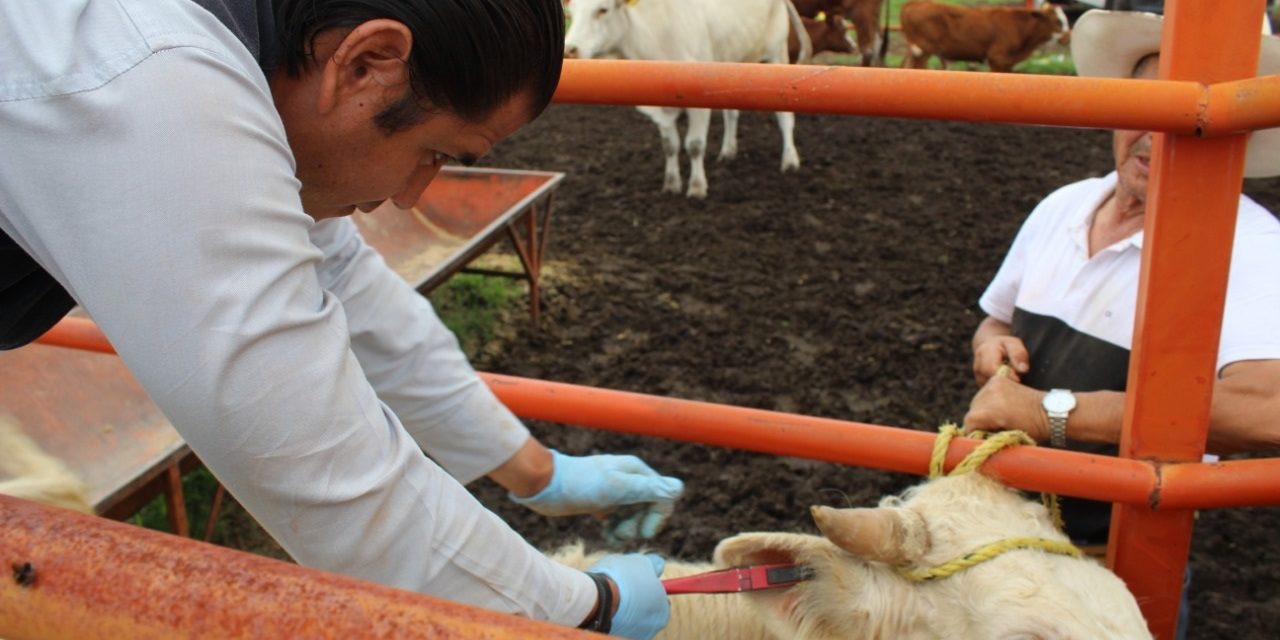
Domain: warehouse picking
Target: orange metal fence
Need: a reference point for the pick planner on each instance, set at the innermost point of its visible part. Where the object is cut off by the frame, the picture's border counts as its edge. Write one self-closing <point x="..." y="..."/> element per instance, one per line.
<point x="1124" y="480"/>
<point x="1194" y="185"/>
<point x="79" y="577"/>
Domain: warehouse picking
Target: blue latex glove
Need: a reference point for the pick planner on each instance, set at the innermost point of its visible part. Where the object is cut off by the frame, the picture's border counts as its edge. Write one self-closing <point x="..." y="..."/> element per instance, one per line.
<point x="643" y="608"/>
<point x="634" y="497"/>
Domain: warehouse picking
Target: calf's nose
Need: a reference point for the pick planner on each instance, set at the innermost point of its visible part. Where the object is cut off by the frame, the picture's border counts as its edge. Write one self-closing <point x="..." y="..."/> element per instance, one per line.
<point x="570" y="51"/>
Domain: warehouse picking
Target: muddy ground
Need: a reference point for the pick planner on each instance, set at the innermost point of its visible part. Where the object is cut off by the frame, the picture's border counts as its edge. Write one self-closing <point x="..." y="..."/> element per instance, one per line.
<point x="847" y="289"/>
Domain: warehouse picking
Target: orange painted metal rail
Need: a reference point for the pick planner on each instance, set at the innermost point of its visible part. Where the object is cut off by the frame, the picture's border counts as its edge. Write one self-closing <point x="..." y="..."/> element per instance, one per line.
<point x="866" y="445"/>
<point x="1192" y="200"/>
<point x="1187" y="108"/>
<point x="68" y="575"/>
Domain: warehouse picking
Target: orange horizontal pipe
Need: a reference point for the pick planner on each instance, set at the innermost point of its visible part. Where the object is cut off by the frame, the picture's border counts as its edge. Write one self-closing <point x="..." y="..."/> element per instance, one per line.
<point x="96" y="578"/>
<point x="901" y="93"/>
<point x="77" y="333"/>
<point x="786" y="434"/>
<point x="1234" y="483"/>
<point x="1187" y="108"/>
<point x="1243" y="105"/>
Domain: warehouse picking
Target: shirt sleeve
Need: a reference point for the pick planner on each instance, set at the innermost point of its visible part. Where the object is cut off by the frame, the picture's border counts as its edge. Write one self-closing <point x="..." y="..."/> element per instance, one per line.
<point x="1001" y="296"/>
<point x="1253" y="290"/>
<point x="165" y="201"/>
<point x="999" y="299"/>
<point x="413" y="360"/>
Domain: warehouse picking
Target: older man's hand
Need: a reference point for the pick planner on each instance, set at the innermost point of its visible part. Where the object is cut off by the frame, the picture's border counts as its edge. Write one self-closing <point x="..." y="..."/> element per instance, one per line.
<point x="998" y="350"/>
<point x="1003" y="404"/>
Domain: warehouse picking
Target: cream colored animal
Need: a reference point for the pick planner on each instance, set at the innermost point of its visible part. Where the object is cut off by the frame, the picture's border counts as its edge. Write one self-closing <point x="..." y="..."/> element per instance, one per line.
<point x="28" y="472"/>
<point x="859" y="593"/>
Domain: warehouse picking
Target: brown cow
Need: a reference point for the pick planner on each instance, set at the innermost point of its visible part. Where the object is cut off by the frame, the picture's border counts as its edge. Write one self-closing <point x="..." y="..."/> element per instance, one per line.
<point x="827" y="33"/>
<point x="999" y="36"/>
<point x="864" y="15"/>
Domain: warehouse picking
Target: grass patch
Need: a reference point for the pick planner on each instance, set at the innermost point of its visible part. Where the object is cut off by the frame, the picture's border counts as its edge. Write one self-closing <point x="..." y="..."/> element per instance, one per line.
<point x="474" y="306"/>
<point x="198" y="487"/>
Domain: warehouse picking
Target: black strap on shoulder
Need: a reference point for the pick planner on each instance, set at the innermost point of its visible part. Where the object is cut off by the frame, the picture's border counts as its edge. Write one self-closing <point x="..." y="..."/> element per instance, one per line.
<point x="31" y="301"/>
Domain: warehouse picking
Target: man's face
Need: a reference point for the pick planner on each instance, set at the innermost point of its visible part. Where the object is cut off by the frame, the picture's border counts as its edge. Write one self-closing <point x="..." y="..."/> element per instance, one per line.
<point x="344" y="160"/>
<point x="1132" y="149"/>
<point x="356" y="165"/>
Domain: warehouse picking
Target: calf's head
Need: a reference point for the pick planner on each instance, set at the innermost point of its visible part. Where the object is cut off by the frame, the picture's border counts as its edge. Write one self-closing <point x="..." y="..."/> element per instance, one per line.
<point x="859" y="591"/>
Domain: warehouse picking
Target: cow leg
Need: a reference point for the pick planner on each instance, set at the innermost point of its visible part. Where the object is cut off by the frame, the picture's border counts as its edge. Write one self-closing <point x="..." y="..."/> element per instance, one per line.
<point x="695" y="144"/>
<point x="665" y="118"/>
<point x="729" y="142"/>
<point x="870" y="52"/>
<point x="916" y="58"/>
<point x="787" y="125"/>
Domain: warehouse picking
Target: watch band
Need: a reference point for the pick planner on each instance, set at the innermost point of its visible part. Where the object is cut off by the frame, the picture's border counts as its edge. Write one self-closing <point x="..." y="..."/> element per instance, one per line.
<point x="1058" y="431"/>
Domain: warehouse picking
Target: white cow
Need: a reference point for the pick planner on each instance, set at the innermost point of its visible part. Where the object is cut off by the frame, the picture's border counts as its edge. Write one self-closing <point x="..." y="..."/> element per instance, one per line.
<point x="690" y="30"/>
<point x="859" y="589"/>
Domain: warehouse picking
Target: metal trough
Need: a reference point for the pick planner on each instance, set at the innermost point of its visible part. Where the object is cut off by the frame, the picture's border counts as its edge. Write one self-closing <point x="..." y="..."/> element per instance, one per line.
<point x="462" y="214"/>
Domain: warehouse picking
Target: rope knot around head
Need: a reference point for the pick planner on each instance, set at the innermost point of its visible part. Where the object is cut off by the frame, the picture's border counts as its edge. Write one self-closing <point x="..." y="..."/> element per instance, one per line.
<point x="992" y="444"/>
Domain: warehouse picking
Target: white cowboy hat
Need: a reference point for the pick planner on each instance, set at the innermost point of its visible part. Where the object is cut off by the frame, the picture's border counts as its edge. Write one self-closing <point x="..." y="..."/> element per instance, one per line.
<point x="1108" y="44"/>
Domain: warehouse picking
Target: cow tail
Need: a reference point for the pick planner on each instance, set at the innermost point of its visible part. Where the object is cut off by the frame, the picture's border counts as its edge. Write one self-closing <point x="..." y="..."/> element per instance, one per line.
<point x="884" y="31"/>
<point x="802" y="34"/>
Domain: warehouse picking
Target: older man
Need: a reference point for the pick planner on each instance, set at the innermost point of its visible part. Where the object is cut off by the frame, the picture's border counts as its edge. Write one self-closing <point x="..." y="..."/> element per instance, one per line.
<point x="183" y="170"/>
<point x="1061" y="308"/>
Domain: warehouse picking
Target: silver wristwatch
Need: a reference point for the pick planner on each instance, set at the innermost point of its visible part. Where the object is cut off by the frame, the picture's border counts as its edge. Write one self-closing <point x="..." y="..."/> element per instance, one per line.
<point x="1058" y="403"/>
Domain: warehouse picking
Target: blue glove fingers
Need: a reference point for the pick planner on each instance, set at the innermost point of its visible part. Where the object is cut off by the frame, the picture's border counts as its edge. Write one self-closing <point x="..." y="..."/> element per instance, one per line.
<point x="652" y="523"/>
<point x="630" y="523"/>
<point x="599" y="483"/>
<point x="643" y="608"/>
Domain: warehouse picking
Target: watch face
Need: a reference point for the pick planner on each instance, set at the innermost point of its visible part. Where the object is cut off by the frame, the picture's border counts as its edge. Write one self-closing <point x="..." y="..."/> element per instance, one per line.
<point x="1059" y="401"/>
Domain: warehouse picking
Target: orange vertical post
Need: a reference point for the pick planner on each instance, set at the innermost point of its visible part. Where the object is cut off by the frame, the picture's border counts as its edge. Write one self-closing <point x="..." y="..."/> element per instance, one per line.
<point x="1190" y="222"/>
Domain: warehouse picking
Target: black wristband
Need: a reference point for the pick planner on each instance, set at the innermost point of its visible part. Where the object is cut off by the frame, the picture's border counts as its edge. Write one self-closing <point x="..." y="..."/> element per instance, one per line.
<point x="602" y="621"/>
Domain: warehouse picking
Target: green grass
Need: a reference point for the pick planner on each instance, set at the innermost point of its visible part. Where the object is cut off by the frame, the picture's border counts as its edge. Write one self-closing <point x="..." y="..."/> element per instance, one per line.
<point x="472" y="306"/>
<point x="198" y="487"/>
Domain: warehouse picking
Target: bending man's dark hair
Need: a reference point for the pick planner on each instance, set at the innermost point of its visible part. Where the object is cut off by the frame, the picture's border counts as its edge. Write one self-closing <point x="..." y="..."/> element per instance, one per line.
<point x="469" y="57"/>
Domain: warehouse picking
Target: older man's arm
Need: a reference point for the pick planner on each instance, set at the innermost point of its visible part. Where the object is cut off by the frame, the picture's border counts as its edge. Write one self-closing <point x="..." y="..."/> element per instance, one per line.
<point x="1244" y="416"/>
<point x="1246" y="407"/>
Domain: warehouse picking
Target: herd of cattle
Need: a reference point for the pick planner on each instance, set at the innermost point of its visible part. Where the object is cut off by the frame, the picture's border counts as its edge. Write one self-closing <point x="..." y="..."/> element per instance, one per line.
<point x="782" y="31"/>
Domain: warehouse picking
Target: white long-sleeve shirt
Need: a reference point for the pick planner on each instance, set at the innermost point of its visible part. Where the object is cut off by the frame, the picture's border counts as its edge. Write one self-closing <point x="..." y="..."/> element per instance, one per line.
<point x="143" y="165"/>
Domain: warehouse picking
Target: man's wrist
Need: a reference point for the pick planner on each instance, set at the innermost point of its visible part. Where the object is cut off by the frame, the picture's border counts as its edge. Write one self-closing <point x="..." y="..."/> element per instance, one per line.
<point x="1058" y="405"/>
<point x="527" y="471"/>
<point x="600" y="619"/>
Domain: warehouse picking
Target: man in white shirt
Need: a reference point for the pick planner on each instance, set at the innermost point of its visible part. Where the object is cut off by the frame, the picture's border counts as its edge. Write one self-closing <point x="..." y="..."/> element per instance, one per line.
<point x="1060" y="311"/>
<point x="183" y="171"/>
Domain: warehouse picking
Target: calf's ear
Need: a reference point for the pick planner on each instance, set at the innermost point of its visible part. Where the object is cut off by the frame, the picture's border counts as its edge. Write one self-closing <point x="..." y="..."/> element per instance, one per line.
<point x="771" y="548"/>
<point x="891" y="535"/>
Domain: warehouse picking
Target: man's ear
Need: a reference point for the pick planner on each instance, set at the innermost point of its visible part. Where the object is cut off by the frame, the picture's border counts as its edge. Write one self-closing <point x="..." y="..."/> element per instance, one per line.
<point x="370" y="59"/>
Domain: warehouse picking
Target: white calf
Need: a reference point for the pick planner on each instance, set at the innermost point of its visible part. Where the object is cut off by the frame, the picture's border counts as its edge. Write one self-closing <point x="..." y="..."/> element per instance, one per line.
<point x="27" y="472"/>
<point x="860" y="588"/>
<point x="690" y="30"/>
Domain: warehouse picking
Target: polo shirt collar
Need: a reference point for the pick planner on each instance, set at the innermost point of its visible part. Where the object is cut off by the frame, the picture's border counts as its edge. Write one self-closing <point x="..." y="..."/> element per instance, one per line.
<point x="1082" y="217"/>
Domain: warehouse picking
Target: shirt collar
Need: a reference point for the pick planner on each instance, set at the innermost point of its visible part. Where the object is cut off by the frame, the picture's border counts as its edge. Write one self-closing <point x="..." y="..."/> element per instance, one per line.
<point x="1082" y="217"/>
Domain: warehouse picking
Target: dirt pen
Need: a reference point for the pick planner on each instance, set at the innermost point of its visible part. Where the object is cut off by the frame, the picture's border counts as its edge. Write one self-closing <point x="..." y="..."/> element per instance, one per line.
<point x="1149" y="547"/>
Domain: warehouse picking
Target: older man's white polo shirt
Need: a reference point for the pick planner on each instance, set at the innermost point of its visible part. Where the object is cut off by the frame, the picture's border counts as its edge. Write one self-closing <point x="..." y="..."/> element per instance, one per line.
<point x="1048" y="272"/>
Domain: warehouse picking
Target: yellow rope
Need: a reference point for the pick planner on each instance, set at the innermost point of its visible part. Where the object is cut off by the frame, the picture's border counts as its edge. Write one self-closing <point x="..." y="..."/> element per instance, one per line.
<point x="992" y="444"/>
<point x="988" y="552"/>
